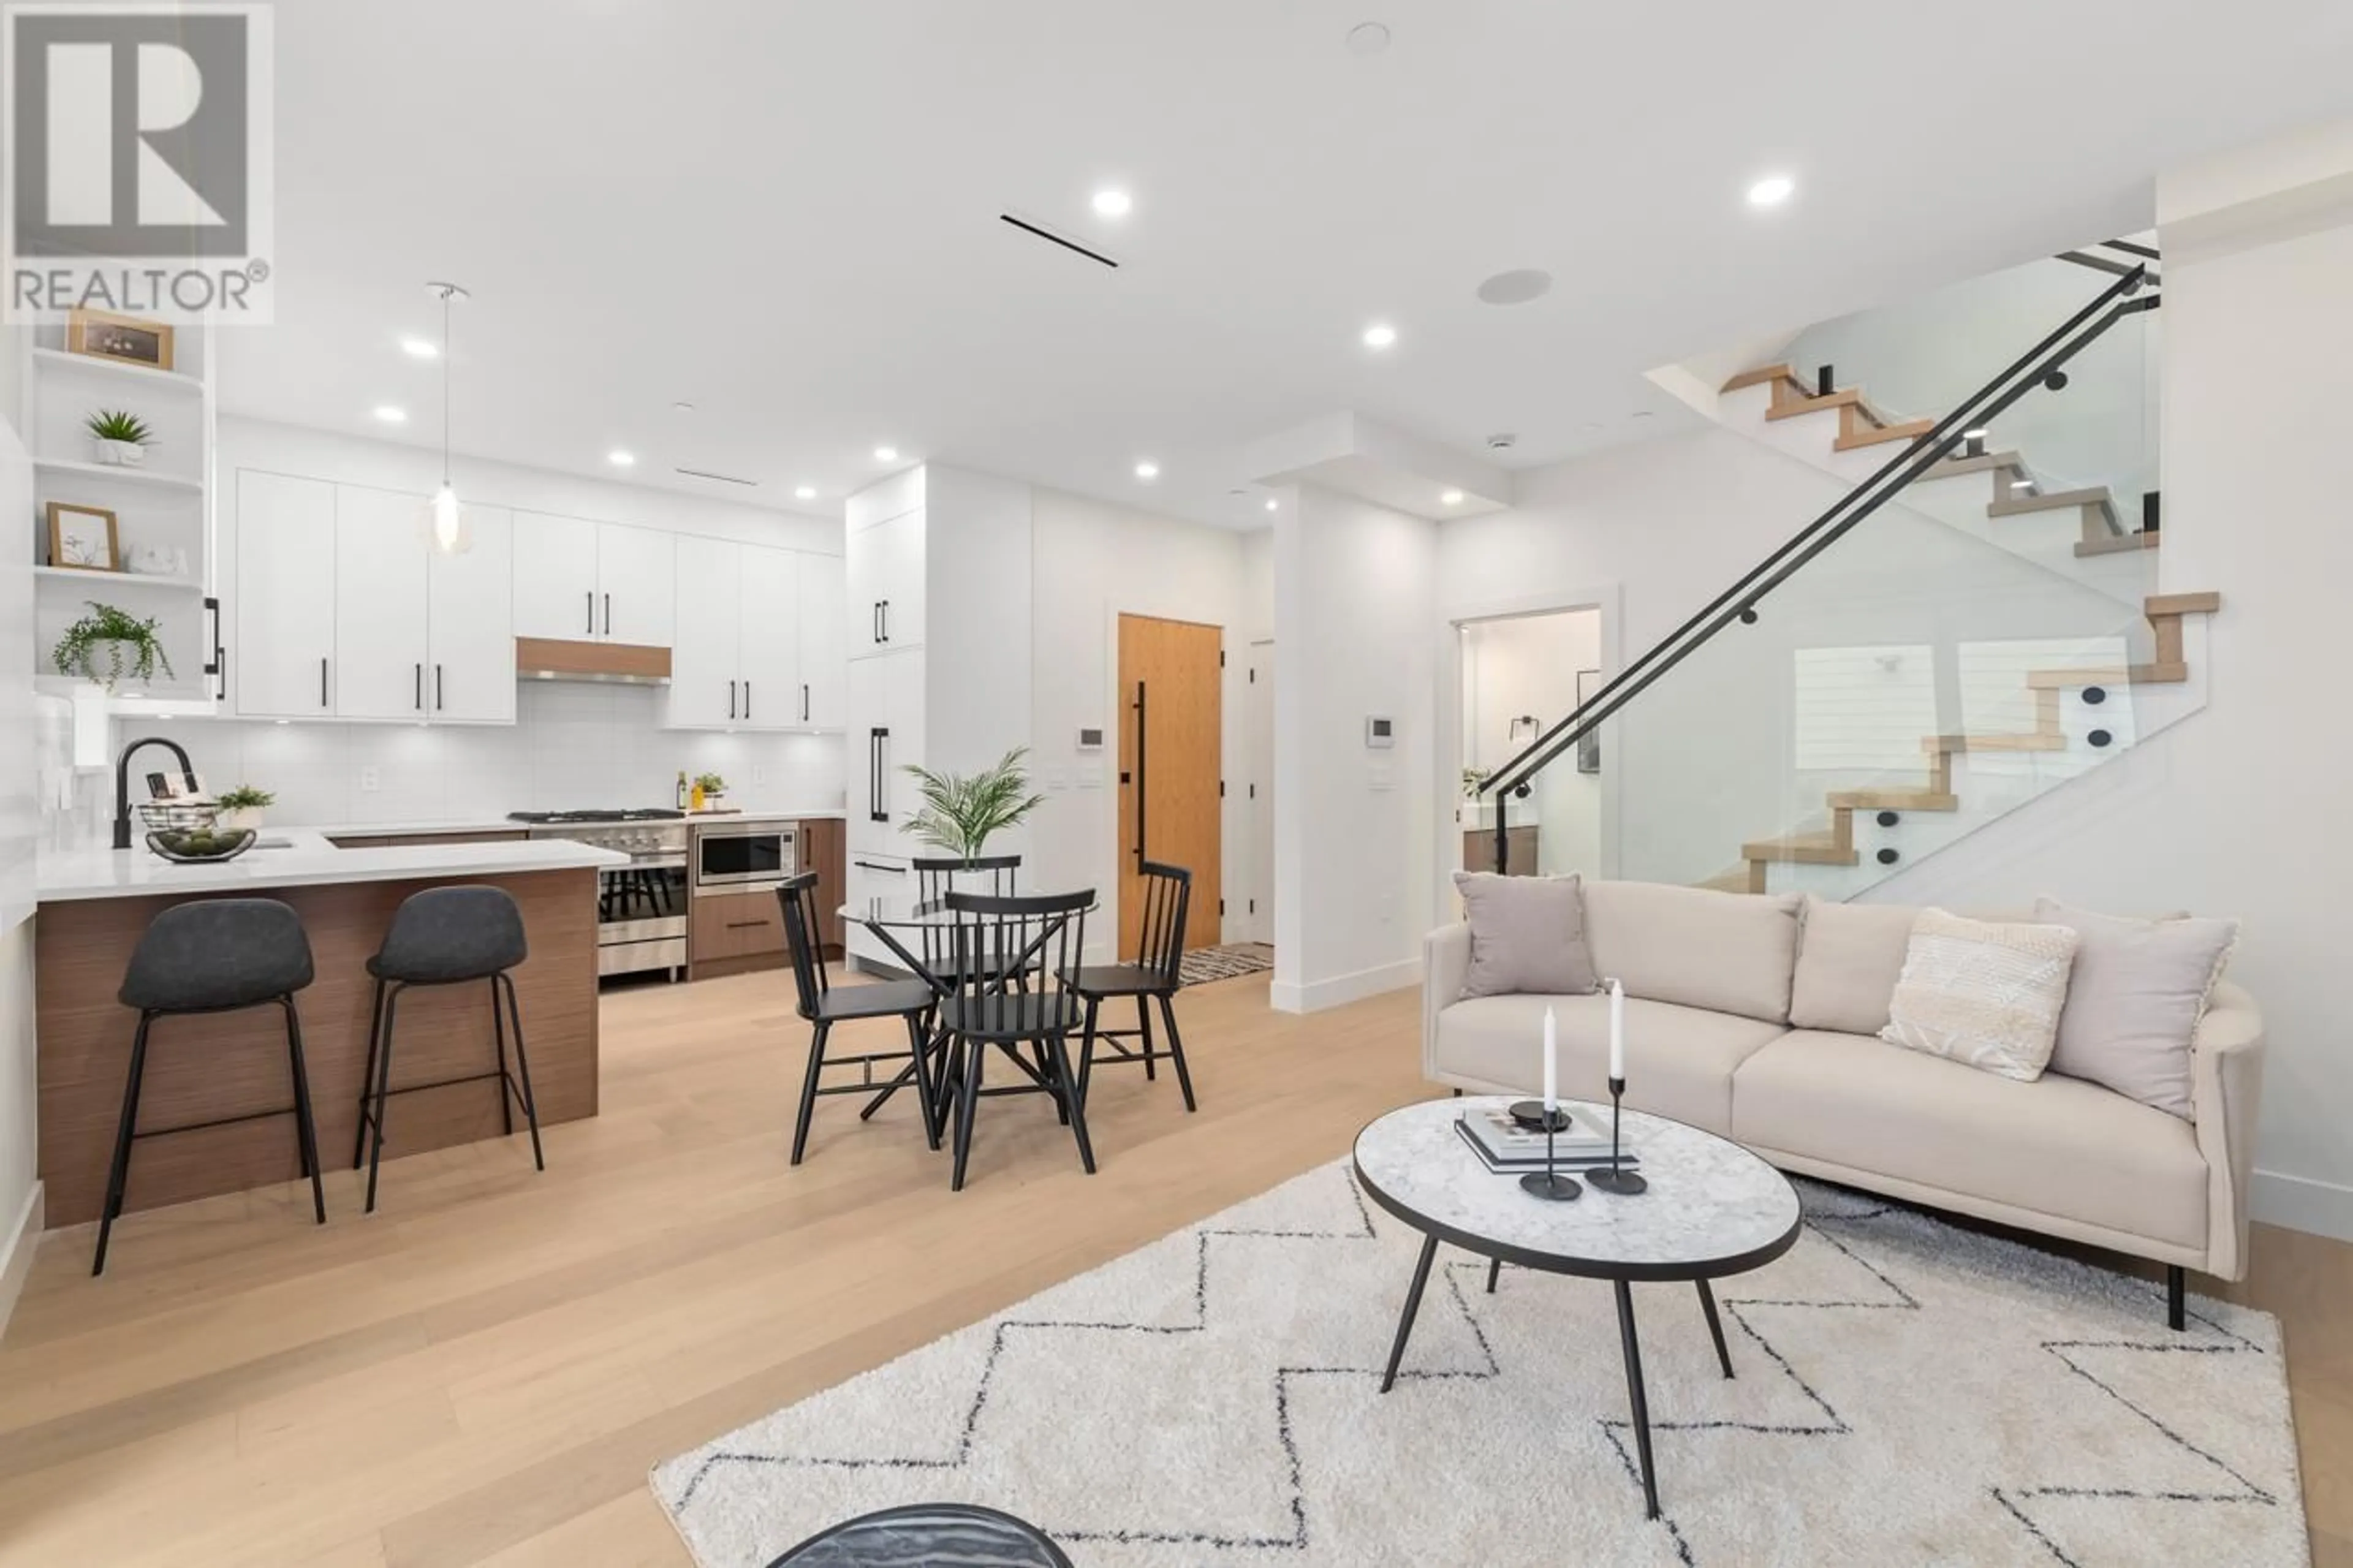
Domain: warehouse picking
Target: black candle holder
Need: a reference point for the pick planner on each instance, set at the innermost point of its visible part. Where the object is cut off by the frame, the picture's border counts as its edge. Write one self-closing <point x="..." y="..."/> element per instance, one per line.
<point x="1532" y="1115"/>
<point x="1550" y="1183"/>
<point x="1614" y="1177"/>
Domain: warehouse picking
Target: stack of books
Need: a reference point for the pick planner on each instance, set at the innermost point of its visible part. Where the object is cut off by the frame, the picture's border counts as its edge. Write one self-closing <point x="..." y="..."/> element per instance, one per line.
<point x="1503" y="1144"/>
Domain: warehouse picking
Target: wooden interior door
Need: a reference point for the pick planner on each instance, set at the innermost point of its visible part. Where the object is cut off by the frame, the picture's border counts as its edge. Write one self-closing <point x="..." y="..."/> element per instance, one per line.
<point x="1170" y="741"/>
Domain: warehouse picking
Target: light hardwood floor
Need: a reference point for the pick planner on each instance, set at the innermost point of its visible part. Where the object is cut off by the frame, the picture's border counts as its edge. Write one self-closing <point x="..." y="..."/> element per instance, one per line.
<point x="484" y="1371"/>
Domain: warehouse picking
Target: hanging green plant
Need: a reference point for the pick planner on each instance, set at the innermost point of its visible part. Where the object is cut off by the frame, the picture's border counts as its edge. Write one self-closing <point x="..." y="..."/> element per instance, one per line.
<point x="961" y="810"/>
<point x="109" y="644"/>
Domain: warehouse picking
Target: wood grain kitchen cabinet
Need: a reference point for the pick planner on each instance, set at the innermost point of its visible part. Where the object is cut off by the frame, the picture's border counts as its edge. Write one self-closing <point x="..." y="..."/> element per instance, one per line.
<point x="824" y="850"/>
<point x="723" y="926"/>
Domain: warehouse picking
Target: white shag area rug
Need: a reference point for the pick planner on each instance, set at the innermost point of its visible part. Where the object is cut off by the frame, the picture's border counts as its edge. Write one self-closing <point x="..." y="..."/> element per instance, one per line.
<point x="1907" y="1393"/>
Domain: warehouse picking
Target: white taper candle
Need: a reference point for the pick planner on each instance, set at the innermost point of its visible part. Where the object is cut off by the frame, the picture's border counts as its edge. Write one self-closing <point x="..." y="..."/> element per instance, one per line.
<point x="1617" y="1031"/>
<point x="1552" y="1065"/>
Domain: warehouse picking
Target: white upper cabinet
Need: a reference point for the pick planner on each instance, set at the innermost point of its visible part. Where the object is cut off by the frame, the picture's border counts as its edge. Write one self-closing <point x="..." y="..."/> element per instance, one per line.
<point x="886" y="586"/>
<point x="379" y="604"/>
<point x="470" y="676"/>
<point x="555" y="576"/>
<point x="704" y="677"/>
<point x="824" y="595"/>
<point x="768" y="659"/>
<point x="285" y="641"/>
<point x="634" y="574"/>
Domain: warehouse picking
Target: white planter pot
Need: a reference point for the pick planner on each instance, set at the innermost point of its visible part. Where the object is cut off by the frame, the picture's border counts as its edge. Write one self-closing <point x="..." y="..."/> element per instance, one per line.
<point x="121" y="454"/>
<point x="109" y="662"/>
<point x="240" y="819"/>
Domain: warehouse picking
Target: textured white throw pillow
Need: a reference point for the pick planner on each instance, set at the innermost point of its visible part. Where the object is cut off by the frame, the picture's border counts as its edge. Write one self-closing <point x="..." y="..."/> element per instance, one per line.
<point x="1982" y="992"/>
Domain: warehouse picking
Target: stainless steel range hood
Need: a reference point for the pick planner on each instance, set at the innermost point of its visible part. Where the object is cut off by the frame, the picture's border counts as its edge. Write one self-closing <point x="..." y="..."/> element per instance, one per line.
<point x="562" y="658"/>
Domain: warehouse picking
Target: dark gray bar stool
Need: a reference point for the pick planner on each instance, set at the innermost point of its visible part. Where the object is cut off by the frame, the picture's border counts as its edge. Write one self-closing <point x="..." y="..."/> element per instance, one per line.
<point x="446" y="936"/>
<point x="214" y="956"/>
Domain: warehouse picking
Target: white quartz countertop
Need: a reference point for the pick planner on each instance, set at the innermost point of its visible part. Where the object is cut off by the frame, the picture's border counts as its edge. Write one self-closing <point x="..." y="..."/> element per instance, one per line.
<point x="306" y="859"/>
<point x="507" y="825"/>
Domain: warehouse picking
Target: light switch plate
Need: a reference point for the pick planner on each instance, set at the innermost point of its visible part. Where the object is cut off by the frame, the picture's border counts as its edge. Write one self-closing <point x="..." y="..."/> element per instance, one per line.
<point x="370" y="781"/>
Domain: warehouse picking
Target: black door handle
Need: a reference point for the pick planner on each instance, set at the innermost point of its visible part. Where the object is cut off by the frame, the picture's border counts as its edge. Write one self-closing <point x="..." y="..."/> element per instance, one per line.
<point x="1142" y="793"/>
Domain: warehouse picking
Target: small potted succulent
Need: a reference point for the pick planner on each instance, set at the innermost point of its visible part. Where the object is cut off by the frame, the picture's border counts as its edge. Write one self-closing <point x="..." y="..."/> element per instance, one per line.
<point x="109" y="645"/>
<point x="241" y="808"/>
<point x="122" y="437"/>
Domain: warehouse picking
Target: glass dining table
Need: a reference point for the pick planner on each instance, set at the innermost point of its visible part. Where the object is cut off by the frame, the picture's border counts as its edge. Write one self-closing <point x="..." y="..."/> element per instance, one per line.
<point x="921" y="933"/>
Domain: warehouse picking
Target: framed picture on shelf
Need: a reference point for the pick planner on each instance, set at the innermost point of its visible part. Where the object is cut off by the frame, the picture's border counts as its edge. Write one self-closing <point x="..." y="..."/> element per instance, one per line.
<point x="83" y="537"/>
<point x="103" y="335"/>
<point x="1588" y="745"/>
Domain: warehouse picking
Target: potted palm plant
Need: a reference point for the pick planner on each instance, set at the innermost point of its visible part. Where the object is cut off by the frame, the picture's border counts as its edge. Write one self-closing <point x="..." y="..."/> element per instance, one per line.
<point x="109" y="644"/>
<point x="961" y="810"/>
<point x="121" y="437"/>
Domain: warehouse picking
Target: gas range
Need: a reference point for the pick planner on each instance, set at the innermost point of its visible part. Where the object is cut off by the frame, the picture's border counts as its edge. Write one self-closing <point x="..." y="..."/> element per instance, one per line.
<point x="641" y="907"/>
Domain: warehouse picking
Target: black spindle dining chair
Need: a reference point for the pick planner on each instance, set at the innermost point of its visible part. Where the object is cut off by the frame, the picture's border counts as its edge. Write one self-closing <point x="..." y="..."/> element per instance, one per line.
<point x="1153" y="979"/>
<point x="823" y="1006"/>
<point x="1008" y="955"/>
<point x="938" y="875"/>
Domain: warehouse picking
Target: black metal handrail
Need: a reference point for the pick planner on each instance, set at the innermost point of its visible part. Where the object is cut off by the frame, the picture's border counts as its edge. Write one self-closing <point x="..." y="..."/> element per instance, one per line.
<point x="1739" y="602"/>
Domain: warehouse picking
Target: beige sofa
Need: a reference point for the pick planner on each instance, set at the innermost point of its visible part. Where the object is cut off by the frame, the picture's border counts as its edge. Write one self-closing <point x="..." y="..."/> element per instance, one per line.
<point x="1742" y="1020"/>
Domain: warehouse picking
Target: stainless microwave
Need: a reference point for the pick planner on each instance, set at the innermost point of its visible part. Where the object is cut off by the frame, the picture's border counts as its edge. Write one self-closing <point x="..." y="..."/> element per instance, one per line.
<point x="744" y="856"/>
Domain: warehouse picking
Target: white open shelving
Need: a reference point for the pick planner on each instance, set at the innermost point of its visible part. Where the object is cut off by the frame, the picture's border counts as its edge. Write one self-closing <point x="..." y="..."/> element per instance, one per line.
<point x="166" y="504"/>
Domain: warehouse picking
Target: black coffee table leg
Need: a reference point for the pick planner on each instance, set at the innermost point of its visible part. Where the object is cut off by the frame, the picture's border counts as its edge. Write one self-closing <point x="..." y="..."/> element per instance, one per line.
<point x="1495" y="1269"/>
<point x="1634" y="1395"/>
<point x="1714" y="1326"/>
<point x="1412" y="1305"/>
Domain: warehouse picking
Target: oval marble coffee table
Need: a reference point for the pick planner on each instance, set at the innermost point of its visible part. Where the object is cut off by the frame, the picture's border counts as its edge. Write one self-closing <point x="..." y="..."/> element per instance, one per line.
<point x="1712" y="1210"/>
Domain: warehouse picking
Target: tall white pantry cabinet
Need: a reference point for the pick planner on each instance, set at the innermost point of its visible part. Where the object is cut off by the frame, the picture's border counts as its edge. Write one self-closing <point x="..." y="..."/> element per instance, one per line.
<point x="938" y="626"/>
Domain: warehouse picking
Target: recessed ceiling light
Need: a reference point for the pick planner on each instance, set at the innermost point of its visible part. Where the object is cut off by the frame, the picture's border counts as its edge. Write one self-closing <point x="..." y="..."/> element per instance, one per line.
<point x="886" y="453"/>
<point x="806" y="492"/>
<point x="620" y="459"/>
<point x="1379" y="335"/>
<point x="1771" y="191"/>
<point x="391" y="415"/>
<point x="1111" y="202"/>
<point x="1451" y="498"/>
<point x="1368" y="38"/>
<point x="420" y="348"/>
<point x="1147" y="469"/>
<point x="1273" y="504"/>
<point x="681" y="406"/>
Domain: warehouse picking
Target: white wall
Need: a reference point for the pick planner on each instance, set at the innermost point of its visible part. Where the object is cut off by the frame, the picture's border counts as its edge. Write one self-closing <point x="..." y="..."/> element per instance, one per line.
<point x="1093" y="563"/>
<point x="1356" y="828"/>
<point x="2240" y="810"/>
<point x="20" y="1222"/>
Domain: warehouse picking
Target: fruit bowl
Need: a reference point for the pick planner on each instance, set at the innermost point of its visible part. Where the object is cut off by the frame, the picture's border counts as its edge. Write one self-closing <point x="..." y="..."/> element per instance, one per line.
<point x="201" y="846"/>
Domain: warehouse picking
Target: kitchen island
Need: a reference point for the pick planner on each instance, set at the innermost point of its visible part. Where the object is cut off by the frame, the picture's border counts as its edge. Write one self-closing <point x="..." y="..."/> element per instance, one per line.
<point x="96" y="902"/>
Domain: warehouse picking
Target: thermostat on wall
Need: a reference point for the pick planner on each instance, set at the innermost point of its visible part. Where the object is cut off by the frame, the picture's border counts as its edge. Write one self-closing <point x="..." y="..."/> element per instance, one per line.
<point x="1381" y="732"/>
<point x="1090" y="740"/>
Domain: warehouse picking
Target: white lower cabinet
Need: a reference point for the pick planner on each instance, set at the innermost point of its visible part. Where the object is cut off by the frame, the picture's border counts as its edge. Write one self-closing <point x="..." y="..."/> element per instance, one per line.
<point x="868" y="877"/>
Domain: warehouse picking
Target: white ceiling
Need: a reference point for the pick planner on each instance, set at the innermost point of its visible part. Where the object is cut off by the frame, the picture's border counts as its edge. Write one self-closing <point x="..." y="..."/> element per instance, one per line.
<point x="787" y="213"/>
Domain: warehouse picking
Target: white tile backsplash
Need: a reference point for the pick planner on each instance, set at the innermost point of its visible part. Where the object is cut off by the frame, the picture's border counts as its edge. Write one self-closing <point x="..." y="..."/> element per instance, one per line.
<point x="573" y="744"/>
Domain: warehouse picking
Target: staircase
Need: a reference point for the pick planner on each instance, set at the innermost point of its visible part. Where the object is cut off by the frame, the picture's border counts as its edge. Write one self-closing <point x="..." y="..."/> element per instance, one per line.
<point x="2049" y="649"/>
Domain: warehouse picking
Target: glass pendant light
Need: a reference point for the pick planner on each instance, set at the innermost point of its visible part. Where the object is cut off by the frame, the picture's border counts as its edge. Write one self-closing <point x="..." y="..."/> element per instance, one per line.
<point x="447" y="528"/>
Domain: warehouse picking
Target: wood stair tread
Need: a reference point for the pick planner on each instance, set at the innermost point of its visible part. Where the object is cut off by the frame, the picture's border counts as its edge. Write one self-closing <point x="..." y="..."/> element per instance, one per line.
<point x="1763" y="375"/>
<point x="1802" y="848"/>
<point x="1844" y="397"/>
<point x="2181" y="604"/>
<point x="1906" y="430"/>
<point x="2118" y="543"/>
<point x="2053" y="500"/>
<point x="2030" y="740"/>
<point x="1736" y="880"/>
<point x="1893" y="800"/>
<point x="2109" y="675"/>
<point x="1990" y="462"/>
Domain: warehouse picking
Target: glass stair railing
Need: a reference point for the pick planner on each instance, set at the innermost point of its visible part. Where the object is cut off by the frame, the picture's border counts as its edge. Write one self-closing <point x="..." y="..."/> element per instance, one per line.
<point x="1953" y="639"/>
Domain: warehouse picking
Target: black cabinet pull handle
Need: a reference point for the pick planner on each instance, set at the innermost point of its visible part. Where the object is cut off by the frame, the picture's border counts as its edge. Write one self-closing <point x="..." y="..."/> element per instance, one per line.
<point x="322" y="681"/>
<point x="805" y="702"/>
<point x="609" y="614"/>
<point x="731" y="699"/>
<point x="877" y="781"/>
<point x="592" y="612"/>
<point x="421" y="689"/>
<point x="747" y="699"/>
<point x="746" y="925"/>
<point x="219" y="665"/>
<point x="886" y="620"/>
<point x="870" y="866"/>
<point x="436" y="688"/>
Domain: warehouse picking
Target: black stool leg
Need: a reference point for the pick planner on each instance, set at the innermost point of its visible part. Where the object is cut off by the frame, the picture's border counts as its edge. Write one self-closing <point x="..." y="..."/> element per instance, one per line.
<point x="523" y="1066"/>
<point x="1058" y="1049"/>
<point x="306" y="1131"/>
<point x="119" y="1174"/>
<point x="1177" y="1049"/>
<point x="967" y="1105"/>
<point x="818" y="1033"/>
<point x="1143" y="1021"/>
<point x="383" y="1095"/>
<point x="506" y="1084"/>
<point x="367" y="1078"/>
